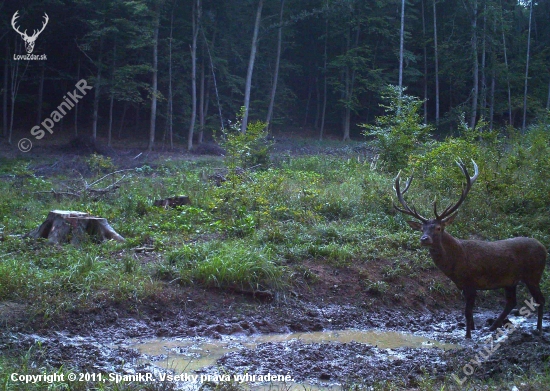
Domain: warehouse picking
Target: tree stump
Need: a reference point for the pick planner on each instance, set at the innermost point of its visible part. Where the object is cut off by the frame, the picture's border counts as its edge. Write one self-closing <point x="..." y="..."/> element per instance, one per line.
<point x="173" y="202"/>
<point x="64" y="226"/>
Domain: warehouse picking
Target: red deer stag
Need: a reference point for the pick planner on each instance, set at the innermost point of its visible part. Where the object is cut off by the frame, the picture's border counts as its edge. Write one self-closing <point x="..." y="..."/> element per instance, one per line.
<point x="477" y="265"/>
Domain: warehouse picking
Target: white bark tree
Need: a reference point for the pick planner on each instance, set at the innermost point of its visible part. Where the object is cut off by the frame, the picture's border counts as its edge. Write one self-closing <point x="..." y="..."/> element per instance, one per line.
<point x="253" y="50"/>
<point x="436" y="60"/>
<point x="154" y="86"/>
<point x="196" y="25"/>
<point x="527" y="67"/>
<point x="276" y="71"/>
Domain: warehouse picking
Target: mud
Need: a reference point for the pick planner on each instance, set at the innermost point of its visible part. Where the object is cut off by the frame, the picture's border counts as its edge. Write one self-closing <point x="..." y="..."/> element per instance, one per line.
<point x="108" y="340"/>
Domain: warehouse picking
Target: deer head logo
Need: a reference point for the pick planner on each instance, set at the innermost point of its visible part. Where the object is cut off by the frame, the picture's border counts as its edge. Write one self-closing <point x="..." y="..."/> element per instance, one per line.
<point x="29" y="41"/>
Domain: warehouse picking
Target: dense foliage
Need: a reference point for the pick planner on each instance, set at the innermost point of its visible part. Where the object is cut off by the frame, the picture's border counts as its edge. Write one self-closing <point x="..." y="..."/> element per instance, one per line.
<point x="348" y="48"/>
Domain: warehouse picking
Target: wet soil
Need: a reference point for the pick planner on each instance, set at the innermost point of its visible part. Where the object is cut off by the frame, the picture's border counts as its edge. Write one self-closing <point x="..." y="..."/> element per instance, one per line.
<point x="100" y="339"/>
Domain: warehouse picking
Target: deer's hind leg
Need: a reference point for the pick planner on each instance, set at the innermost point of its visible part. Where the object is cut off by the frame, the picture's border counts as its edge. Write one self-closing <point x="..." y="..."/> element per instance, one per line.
<point x="470" y="296"/>
<point x="539" y="299"/>
<point x="511" y="302"/>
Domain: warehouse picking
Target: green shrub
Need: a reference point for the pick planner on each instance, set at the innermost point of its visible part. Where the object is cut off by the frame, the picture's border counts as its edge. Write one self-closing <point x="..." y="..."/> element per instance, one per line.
<point x="99" y="163"/>
<point x="248" y="149"/>
<point x="401" y="131"/>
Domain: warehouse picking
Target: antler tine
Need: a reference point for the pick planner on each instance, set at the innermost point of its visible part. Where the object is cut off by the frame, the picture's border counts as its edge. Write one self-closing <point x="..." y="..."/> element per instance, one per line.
<point x="435" y="208"/>
<point x="406" y="208"/>
<point x="465" y="189"/>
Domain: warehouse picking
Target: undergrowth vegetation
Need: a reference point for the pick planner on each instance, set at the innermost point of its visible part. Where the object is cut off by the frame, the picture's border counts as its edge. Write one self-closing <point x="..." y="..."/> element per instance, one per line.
<point x="255" y="228"/>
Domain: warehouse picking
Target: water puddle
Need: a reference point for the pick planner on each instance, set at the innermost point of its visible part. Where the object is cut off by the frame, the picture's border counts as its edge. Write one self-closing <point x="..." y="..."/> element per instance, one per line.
<point x="193" y="355"/>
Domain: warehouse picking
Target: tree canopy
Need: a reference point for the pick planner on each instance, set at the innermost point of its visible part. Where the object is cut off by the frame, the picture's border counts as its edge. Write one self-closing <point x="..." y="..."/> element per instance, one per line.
<point x="332" y="60"/>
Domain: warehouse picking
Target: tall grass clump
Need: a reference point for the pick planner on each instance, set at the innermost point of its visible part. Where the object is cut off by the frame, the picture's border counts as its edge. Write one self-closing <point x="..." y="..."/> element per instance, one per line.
<point x="230" y="264"/>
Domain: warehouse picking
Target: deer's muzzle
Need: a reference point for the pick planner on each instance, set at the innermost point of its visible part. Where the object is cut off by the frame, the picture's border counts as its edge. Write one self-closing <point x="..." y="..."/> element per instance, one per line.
<point x="426" y="240"/>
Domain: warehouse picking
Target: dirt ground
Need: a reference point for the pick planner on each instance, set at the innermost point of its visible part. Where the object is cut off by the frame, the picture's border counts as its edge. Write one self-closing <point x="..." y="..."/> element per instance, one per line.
<point x="92" y="341"/>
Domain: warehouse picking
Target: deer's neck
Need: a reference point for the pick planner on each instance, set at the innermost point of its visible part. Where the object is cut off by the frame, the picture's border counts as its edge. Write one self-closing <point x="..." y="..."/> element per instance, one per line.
<point x="445" y="253"/>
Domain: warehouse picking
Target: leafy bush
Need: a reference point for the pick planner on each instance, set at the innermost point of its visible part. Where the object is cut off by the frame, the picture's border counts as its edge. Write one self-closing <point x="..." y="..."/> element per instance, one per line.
<point x="401" y="131"/>
<point x="249" y="149"/>
<point x="99" y="163"/>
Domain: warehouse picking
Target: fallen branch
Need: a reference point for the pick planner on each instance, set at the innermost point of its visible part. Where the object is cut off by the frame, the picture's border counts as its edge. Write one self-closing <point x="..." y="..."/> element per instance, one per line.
<point x="143" y="249"/>
<point x="78" y="190"/>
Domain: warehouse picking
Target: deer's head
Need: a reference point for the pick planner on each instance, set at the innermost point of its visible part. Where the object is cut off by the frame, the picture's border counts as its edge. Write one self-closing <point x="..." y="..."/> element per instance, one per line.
<point x="433" y="228"/>
<point x="29" y="40"/>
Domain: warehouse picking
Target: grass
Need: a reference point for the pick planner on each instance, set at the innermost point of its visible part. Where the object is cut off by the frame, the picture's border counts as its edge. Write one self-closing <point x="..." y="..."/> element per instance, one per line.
<point x="250" y="232"/>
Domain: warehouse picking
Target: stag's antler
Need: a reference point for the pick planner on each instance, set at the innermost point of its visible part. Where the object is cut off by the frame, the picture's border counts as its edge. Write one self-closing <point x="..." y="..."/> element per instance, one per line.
<point x="406" y="209"/>
<point x="465" y="189"/>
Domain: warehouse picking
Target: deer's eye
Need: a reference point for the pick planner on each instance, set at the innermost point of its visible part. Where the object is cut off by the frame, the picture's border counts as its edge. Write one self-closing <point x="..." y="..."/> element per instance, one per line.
<point x="438" y="229"/>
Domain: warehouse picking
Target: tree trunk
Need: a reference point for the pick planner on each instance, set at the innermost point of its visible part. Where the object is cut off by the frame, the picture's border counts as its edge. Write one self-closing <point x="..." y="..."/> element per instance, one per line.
<point x="492" y="100"/>
<point x="195" y="21"/>
<point x="15" y="83"/>
<point x="507" y="71"/>
<point x="475" y="71"/>
<point x="493" y="79"/>
<point x="138" y="119"/>
<point x="201" y="98"/>
<point x="350" y="88"/>
<point x="5" y="92"/>
<point x="317" y="104"/>
<point x="401" y="44"/>
<point x="436" y="68"/>
<point x="76" y="103"/>
<point x="170" y="92"/>
<point x="345" y="93"/>
<point x="425" y="50"/>
<point x="253" y="49"/>
<point x="277" y="62"/>
<point x="214" y="79"/>
<point x="527" y="68"/>
<point x="205" y="94"/>
<point x="154" y="87"/>
<point x="40" y="94"/>
<point x="112" y="100"/>
<point x="483" y="62"/>
<point x="310" y="88"/>
<point x="124" y="110"/>
<point x="325" y="61"/>
<point x="97" y="89"/>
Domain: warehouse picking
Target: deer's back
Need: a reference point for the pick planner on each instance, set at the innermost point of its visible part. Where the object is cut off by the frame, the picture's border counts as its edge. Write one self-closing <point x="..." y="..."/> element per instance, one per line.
<point x="490" y="265"/>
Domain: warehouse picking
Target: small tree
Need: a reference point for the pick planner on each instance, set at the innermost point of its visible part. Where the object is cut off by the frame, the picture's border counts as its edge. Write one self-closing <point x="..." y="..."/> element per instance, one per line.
<point x="401" y="131"/>
<point x="249" y="149"/>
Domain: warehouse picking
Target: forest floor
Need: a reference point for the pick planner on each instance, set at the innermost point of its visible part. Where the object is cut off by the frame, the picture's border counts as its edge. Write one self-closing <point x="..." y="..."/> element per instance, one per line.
<point x="319" y="296"/>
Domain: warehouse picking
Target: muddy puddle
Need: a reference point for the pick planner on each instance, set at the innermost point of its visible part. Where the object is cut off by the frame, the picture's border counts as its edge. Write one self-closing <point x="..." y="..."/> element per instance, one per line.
<point x="390" y="347"/>
<point x="198" y="356"/>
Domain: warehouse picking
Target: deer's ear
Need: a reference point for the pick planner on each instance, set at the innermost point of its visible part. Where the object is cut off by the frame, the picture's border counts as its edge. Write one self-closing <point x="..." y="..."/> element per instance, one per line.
<point x="449" y="220"/>
<point x="415" y="225"/>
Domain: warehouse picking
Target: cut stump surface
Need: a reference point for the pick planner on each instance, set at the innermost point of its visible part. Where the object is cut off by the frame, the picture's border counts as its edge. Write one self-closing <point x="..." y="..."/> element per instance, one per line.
<point x="64" y="226"/>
